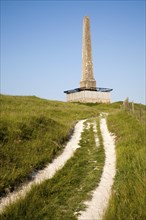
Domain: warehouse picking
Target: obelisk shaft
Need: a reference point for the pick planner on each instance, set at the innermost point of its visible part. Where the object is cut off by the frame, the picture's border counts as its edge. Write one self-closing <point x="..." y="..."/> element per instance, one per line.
<point x="87" y="81"/>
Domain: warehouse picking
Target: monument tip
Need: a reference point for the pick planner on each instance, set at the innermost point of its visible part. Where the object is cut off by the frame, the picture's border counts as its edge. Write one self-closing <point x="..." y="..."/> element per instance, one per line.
<point x="86" y="17"/>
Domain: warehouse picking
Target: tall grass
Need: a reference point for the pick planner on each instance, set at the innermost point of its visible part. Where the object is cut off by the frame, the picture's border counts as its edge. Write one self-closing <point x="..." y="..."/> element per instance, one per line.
<point x="62" y="197"/>
<point x="128" y="195"/>
<point x="137" y="110"/>
<point x="33" y="132"/>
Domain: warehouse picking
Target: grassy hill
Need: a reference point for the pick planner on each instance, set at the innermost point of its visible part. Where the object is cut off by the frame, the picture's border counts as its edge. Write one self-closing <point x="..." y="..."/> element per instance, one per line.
<point x="34" y="131"/>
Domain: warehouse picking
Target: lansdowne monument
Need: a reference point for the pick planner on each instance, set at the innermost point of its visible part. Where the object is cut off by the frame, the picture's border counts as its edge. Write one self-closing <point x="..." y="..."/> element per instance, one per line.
<point x="88" y="92"/>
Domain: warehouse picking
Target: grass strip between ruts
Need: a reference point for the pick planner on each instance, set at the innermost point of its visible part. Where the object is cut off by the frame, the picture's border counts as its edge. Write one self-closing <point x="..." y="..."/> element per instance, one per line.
<point x="63" y="196"/>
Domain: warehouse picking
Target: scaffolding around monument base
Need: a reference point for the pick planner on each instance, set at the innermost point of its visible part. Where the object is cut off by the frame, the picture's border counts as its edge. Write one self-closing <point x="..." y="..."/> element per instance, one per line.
<point x="98" y="95"/>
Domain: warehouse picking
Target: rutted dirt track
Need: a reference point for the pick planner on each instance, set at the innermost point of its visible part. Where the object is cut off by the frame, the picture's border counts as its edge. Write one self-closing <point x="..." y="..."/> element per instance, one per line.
<point x="101" y="195"/>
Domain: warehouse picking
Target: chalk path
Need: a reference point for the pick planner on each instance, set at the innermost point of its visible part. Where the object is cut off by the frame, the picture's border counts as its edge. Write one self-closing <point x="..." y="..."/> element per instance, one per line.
<point x="50" y="170"/>
<point x="101" y="195"/>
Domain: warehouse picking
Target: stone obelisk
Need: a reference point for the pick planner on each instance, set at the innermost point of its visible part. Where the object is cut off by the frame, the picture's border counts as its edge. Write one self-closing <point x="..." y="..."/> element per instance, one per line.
<point x="87" y="81"/>
<point x="88" y="92"/>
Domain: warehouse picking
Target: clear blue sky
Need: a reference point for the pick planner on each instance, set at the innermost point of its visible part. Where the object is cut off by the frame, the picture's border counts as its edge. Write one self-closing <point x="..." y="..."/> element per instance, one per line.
<point x="41" y="43"/>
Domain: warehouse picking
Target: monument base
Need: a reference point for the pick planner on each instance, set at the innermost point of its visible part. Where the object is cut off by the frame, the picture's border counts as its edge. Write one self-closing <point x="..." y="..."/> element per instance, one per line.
<point x="86" y="96"/>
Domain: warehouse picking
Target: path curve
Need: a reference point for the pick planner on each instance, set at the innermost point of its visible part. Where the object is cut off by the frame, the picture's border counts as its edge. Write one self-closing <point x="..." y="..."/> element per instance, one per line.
<point x="50" y="170"/>
<point x="101" y="195"/>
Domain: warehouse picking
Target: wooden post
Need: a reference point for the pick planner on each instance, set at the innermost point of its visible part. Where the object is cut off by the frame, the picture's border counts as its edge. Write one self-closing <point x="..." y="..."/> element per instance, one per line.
<point x="132" y="107"/>
<point x="126" y="104"/>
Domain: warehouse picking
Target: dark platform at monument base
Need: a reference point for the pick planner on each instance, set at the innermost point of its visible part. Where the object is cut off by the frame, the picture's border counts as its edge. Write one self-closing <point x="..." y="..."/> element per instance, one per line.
<point x="99" y="89"/>
<point x="92" y="95"/>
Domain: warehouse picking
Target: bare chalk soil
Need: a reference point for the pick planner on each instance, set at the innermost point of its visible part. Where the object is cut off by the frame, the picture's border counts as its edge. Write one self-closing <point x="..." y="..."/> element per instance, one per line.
<point x="101" y="195"/>
<point x="50" y="170"/>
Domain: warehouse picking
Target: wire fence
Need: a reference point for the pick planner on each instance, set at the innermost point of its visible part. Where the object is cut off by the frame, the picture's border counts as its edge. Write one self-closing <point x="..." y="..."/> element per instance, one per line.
<point x="137" y="110"/>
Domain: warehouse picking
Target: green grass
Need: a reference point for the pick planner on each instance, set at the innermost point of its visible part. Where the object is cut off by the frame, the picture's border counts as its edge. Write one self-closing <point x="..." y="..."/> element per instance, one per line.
<point x="63" y="195"/>
<point x="128" y="195"/>
<point x="33" y="131"/>
<point x="138" y="111"/>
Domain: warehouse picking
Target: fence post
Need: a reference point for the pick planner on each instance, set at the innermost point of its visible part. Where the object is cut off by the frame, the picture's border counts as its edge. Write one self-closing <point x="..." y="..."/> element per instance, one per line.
<point x="132" y="107"/>
<point x="140" y="113"/>
<point x="126" y="104"/>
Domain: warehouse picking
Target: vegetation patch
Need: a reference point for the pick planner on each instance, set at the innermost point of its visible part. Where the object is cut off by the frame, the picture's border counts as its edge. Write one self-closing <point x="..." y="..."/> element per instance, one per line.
<point x="33" y="132"/>
<point x="63" y="196"/>
<point x="128" y="195"/>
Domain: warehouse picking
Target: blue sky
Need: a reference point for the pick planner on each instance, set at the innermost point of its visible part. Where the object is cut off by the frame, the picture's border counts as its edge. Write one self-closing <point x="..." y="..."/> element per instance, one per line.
<point x="41" y="47"/>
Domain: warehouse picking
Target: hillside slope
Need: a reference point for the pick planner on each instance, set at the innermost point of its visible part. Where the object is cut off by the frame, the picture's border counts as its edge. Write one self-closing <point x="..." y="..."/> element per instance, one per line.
<point x="33" y="132"/>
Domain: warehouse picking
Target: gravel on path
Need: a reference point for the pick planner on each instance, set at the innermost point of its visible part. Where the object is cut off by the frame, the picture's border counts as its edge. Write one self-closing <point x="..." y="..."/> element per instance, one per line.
<point x="101" y="195"/>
